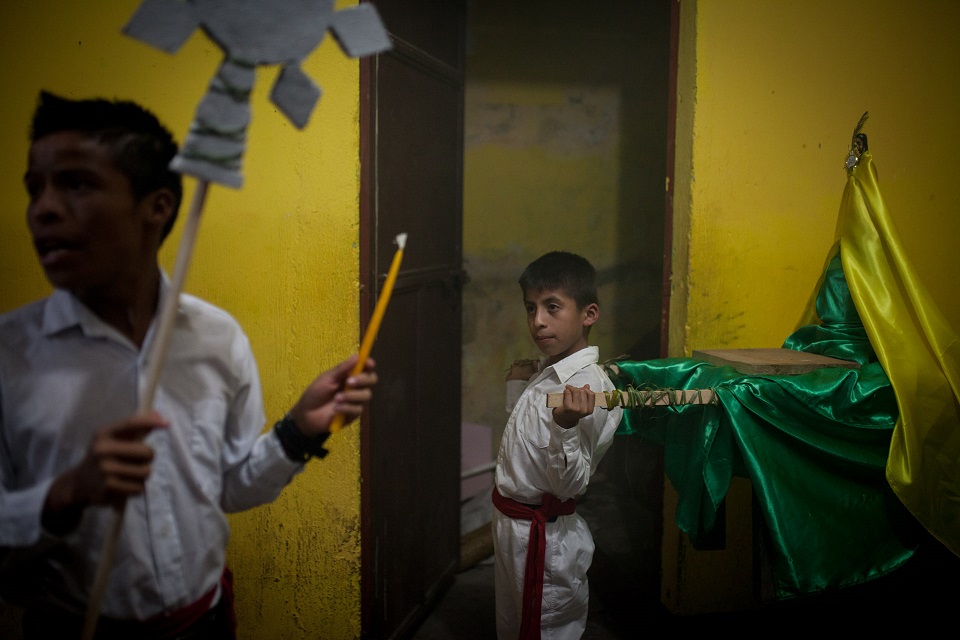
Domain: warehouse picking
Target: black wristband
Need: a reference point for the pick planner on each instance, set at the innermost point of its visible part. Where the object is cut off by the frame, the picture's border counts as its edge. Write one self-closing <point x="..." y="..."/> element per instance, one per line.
<point x="297" y="446"/>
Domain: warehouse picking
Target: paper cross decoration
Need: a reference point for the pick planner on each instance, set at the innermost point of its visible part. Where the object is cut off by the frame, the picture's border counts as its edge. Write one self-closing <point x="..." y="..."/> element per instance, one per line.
<point x="251" y="33"/>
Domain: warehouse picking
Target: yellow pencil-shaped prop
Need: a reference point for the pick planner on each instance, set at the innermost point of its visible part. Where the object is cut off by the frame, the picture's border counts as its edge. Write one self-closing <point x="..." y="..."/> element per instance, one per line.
<point x="371" y="334"/>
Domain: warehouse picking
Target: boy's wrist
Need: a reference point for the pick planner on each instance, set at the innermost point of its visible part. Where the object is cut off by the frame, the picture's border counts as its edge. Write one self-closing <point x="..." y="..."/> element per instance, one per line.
<point x="62" y="509"/>
<point x="297" y="446"/>
<point x="565" y="420"/>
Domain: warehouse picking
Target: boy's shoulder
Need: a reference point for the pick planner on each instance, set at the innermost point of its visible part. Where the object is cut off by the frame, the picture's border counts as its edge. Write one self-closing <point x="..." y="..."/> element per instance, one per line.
<point x="211" y="321"/>
<point x="592" y="371"/>
<point x="20" y="314"/>
<point x="21" y="321"/>
<point x="206" y="311"/>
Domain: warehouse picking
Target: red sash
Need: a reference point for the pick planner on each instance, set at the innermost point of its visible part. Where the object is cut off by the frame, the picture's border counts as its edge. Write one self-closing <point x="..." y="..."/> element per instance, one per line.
<point x="47" y="622"/>
<point x="538" y="515"/>
<point x="172" y="623"/>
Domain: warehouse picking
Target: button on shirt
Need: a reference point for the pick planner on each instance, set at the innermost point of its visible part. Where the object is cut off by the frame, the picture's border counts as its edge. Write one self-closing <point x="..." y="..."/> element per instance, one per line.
<point x="64" y="373"/>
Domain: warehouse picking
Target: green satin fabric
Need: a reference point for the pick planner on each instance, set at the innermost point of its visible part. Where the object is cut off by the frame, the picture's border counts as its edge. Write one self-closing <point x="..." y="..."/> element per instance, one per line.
<point x="919" y="351"/>
<point x="814" y="446"/>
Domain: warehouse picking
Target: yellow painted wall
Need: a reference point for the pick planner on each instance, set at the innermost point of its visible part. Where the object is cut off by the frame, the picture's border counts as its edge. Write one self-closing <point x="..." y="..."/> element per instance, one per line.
<point x="281" y="254"/>
<point x="769" y="92"/>
<point x="769" y="98"/>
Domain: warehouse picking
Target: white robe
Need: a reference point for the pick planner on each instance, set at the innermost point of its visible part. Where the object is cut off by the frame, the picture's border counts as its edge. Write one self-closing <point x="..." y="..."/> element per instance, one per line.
<point x="537" y="456"/>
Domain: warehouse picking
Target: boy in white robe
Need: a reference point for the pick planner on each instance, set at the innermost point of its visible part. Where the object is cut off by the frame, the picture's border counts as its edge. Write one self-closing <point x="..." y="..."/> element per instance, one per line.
<point x="547" y="456"/>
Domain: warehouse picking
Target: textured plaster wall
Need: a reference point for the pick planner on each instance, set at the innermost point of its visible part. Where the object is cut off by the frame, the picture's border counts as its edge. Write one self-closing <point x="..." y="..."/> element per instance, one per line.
<point x="769" y="93"/>
<point x="773" y="92"/>
<point x="281" y="254"/>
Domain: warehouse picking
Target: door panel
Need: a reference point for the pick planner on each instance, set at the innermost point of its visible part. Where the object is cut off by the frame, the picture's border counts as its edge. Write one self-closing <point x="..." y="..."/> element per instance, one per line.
<point x="436" y="28"/>
<point x="411" y="175"/>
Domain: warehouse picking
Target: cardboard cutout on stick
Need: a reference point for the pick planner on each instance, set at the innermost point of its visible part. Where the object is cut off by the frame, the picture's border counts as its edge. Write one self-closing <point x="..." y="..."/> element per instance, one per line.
<point x="251" y="33"/>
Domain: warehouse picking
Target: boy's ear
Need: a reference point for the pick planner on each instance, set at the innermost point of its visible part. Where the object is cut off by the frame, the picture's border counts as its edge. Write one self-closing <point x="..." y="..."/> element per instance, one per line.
<point x="591" y="313"/>
<point x="159" y="206"/>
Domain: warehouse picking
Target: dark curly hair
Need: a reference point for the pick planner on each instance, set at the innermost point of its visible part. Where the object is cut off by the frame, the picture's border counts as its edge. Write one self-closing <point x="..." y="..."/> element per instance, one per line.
<point x="568" y="272"/>
<point x="141" y="146"/>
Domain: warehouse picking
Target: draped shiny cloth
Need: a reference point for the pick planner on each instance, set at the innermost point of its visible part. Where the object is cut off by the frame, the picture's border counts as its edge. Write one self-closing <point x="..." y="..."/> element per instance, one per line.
<point x="814" y="446"/>
<point x="919" y="351"/>
<point x="538" y="515"/>
<point x="846" y="464"/>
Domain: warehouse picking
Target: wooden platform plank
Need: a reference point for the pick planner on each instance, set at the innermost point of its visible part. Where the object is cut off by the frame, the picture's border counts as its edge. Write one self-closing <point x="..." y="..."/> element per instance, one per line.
<point x="771" y="361"/>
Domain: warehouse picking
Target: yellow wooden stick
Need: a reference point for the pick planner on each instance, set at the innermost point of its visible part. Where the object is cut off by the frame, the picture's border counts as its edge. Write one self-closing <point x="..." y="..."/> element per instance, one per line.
<point x="366" y="345"/>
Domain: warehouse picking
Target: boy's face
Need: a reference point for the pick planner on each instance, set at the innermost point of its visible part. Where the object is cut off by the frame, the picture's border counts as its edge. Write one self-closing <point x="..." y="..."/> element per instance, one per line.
<point x="556" y="325"/>
<point x="90" y="233"/>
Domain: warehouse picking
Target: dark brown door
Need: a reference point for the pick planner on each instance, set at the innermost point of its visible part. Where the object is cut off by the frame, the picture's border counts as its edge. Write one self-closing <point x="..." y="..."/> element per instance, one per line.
<point x="412" y="174"/>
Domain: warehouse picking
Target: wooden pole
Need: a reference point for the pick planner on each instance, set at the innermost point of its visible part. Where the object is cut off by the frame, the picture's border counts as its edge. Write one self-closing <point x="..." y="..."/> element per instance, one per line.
<point x="634" y="398"/>
<point x="155" y="362"/>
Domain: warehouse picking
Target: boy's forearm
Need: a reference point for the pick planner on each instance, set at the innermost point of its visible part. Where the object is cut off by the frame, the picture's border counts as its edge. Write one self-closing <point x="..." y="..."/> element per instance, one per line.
<point x="565" y="420"/>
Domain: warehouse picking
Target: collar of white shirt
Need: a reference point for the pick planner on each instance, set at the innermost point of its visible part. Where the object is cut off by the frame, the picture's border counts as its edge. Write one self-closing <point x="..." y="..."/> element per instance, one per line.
<point x="575" y="362"/>
<point x="65" y="311"/>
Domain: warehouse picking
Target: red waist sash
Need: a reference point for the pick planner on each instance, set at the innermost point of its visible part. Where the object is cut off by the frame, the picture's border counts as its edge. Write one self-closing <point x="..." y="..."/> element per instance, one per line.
<point x="174" y="623"/>
<point x="538" y="515"/>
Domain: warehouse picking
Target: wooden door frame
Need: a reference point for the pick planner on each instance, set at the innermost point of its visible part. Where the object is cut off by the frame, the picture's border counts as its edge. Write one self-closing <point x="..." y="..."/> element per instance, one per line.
<point x="383" y="613"/>
<point x="367" y="284"/>
<point x="670" y="182"/>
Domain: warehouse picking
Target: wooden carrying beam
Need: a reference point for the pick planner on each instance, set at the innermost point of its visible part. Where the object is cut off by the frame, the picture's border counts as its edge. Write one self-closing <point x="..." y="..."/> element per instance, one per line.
<point x="776" y="362"/>
<point x="644" y="398"/>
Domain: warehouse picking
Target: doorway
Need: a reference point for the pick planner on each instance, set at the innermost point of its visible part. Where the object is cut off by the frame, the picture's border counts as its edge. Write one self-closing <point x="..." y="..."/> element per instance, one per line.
<point x="566" y="129"/>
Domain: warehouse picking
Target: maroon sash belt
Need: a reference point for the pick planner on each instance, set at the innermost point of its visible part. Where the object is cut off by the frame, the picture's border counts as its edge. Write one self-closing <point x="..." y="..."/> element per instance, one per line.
<point x="172" y="623"/>
<point x="197" y="619"/>
<point x="538" y="515"/>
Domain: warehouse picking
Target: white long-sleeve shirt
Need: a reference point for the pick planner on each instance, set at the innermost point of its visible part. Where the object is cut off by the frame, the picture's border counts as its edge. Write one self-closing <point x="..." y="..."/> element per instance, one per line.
<point x="64" y="373"/>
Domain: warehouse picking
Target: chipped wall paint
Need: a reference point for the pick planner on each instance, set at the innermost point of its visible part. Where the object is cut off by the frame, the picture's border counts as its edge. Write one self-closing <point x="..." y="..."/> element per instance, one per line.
<point x="281" y="255"/>
<point x="768" y="96"/>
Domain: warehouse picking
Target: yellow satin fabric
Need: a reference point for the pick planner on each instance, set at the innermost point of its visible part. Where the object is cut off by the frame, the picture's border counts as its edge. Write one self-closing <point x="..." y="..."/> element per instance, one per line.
<point x="918" y="350"/>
